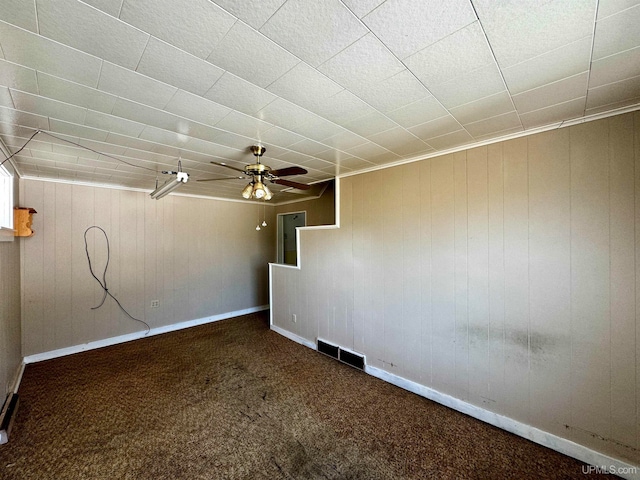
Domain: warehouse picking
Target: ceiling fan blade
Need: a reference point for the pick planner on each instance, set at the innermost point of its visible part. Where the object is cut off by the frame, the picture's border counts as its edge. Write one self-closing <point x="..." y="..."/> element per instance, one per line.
<point x="228" y="166"/>
<point x="289" y="183"/>
<point x="226" y="178"/>
<point x="283" y="172"/>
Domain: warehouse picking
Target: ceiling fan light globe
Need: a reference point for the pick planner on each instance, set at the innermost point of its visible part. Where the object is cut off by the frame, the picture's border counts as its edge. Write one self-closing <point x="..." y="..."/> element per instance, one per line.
<point x="268" y="194"/>
<point x="247" y="191"/>
<point x="258" y="190"/>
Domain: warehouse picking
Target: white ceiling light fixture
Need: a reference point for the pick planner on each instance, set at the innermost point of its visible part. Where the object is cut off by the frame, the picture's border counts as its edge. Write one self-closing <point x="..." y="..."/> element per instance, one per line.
<point x="170" y="185"/>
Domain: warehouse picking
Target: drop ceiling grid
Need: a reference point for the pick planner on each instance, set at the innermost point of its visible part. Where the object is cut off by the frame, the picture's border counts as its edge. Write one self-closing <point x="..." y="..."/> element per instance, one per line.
<point x="311" y="104"/>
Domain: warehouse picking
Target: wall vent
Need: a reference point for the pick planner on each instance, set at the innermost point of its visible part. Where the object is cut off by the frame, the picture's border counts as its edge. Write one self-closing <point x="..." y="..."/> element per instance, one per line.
<point x="350" y="358"/>
<point x="7" y="416"/>
<point x="328" y="349"/>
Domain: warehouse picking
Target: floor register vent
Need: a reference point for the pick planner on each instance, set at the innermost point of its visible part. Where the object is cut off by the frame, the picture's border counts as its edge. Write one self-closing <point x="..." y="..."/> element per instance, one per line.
<point x="350" y="358"/>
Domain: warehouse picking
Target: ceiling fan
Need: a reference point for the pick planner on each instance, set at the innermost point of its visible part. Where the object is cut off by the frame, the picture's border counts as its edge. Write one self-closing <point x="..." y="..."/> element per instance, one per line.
<point x="259" y="174"/>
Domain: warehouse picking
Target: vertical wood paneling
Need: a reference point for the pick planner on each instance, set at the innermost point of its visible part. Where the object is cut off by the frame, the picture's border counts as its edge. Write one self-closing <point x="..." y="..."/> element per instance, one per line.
<point x="590" y="260"/>
<point x="410" y="273"/>
<point x="36" y="277"/>
<point x="461" y="216"/>
<point x="530" y="246"/>
<point x="516" y="279"/>
<point x="426" y="274"/>
<point x="550" y="279"/>
<point x="478" y="277"/>
<point x="443" y="281"/>
<point x="495" y="192"/>
<point x="624" y="419"/>
<point x="150" y="259"/>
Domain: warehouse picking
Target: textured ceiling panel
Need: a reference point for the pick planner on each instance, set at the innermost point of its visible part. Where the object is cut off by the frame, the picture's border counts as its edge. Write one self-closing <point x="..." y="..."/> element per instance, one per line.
<point x="336" y="86"/>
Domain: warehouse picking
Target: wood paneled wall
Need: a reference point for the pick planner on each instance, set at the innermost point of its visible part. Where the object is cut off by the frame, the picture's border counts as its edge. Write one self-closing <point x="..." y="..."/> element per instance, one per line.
<point x="10" y="357"/>
<point x="198" y="257"/>
<point x="504" y="275"/>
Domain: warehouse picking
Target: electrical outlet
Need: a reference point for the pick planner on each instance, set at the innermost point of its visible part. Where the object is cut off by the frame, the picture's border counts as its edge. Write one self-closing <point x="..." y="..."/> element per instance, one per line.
<point x="155" y="303"/>
<point x="294" y="318"/>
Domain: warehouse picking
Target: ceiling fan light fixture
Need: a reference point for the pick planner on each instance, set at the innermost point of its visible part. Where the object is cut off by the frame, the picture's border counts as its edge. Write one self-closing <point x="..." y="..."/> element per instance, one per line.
<point x="248" y="191"/>
<point x="268" y="194"/>
<point x="259" y="190"/>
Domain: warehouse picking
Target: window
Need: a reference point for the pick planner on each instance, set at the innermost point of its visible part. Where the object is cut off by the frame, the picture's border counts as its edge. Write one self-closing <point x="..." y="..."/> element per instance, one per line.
<point x="6" y="198"/>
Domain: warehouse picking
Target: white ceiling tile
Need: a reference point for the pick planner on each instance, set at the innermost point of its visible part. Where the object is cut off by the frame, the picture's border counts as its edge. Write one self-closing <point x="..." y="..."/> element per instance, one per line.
<point x="484" y="108"/>
<point x="134" y="86"/>
<point x="163" y="137"/>
<point x="111" y="123"/>
<point x="492" y="12"/>
<point x="556" y="92"/>
<point x="314" y="31"/>
<point x="451" y="140"/>
<point x="631" y="102"/>
<point x="176" y="67"/>
<point x="48" y="108"/>
<point x="243" y="124"/>
<point x="555" y="113"/>
<point x="118" y="141"/>
<point x="196" y="108"/>
<point x="368" y="150"/>
<point x="74" y="130"/>
<point x="506" y="121"/>
<point x="614" y="92"/>
<point x="248" y="54"/>
<point x="317" y="129"/>
<point x="75" y="93"/>
<point x="556" y="64"/>
<point x="239" y="94"/>
<point x="112" y="7"/>
<point x="308" y="147"/>
<point x="285" y="114"/>
<point x="498" y="134"/>
<point x="469" y="87"/>
<point x="344" y="140"/>
<point x="407" y="26"/>
<point x="362" y="7"/>
<point x="16" y="76"/>
<point x="83" y="27"/>
<point x="394" y="92"/>
<point x="39" y="53"/>
<point x="615" y="68"/>
<point x="418" y="112"/>
<point x="399" y="141"/>
<point x="342" y="108"/>
<point x="541" y="29"/>
<point x="371" y="124"/>
<point x="611" y="7"/>
<point x="617" y="33"/>
<point x="253" y="12"/>
<point x="195" y="26"/>
<point x="460" y="52"/>
<point x="5" y="98"/>
<point x="280" y="136"/>
<point x="363" y="63"/>
<point x="19" y="13"/>
<point x="304" y="86"/>
<point x="436" y="128"/>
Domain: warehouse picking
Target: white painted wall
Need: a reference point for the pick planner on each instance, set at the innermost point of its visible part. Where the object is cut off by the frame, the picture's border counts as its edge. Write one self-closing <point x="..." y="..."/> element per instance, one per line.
<point x="504" y="276"/>
<point x="198" y="257"/>
<point x="10" y="357"/>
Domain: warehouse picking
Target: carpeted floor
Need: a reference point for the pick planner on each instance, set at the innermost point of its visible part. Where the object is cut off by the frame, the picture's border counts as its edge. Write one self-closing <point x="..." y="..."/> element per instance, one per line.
<point x="234" y="400"/>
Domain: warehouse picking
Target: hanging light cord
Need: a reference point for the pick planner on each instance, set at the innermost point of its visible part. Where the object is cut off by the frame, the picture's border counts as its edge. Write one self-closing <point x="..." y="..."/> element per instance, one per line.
<point x="103" y="282"/>
<point x="77" y="145"/>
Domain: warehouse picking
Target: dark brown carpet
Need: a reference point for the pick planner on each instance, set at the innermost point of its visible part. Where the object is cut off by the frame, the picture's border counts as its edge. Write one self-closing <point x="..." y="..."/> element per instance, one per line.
<point x="234" y="400"/>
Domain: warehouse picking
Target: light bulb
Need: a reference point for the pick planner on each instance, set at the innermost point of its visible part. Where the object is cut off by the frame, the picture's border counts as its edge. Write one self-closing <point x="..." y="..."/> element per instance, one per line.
<point x="258" y="190"/>
<point x="246" y="192"/>
<point x="264" y="223"/>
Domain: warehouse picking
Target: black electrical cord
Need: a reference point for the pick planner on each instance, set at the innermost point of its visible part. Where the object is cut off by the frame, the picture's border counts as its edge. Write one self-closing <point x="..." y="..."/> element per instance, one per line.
<point x="77" y="145"/>
<point x="103" y="282"/>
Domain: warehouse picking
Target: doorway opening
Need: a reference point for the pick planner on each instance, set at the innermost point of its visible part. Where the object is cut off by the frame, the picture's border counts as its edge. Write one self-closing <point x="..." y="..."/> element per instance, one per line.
<point x="287" y="240"/>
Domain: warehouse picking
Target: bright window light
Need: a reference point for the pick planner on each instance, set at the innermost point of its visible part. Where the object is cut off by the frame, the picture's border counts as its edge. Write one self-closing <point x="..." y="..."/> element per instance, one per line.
<point x="6" y="198"/>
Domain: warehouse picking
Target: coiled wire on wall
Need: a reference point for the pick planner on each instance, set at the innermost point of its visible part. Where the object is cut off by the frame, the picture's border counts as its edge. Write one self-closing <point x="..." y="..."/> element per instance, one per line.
<point x="103" y="282"/>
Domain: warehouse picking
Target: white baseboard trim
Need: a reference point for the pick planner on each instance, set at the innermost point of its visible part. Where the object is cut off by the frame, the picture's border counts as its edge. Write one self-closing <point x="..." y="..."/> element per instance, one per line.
<point x="293" y="336"/>
<point x="549" y="440"/>
<point x="39" y="357"/>
<point x="17" y="378"/>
